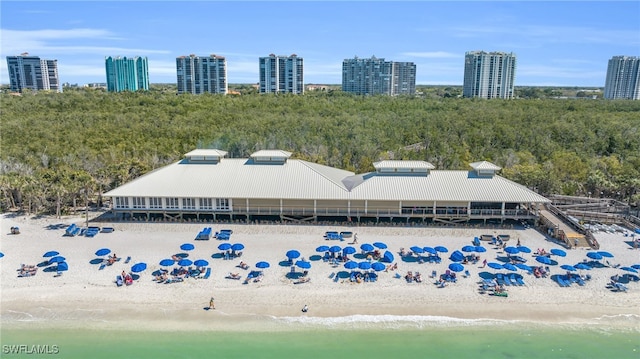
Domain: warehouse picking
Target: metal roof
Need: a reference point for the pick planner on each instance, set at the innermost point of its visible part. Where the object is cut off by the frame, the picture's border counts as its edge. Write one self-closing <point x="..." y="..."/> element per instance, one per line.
<point x="271" y="153"/>
<point x="298" y="179"/>
<point x="404" y="164"/>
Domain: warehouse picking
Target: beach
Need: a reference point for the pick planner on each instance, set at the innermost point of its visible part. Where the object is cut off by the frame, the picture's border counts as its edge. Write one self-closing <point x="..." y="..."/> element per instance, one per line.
<point x="86" y="298"/>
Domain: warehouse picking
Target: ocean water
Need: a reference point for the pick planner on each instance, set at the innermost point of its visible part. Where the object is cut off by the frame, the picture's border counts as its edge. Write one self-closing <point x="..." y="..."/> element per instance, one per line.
<point x="347" y="337"/>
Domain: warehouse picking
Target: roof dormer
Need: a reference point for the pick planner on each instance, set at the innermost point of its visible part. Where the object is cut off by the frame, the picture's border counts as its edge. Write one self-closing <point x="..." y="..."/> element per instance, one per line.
<point x="202" y="155"/>
<point x="484" y="168"/>
<point x="403" y="167"/>
<point x="270" y="156"/>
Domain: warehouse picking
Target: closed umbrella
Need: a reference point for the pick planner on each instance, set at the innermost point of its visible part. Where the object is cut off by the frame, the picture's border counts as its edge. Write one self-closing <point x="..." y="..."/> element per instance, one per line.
<point x="380" y="245"/>
<point x="262" y="265"/>
<point x="293" y="254"/>
<point x="187" y="247"/>
<point x="201" y="263"/>
<point x="103" y="252"/>
<point x="456" y="267"/>
<point x="138" y="267"/>
<point x="367" y="247"/>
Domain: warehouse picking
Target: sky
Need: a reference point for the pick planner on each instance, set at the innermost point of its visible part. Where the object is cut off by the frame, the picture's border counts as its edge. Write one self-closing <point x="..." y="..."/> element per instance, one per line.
<point x="556" y="43"/>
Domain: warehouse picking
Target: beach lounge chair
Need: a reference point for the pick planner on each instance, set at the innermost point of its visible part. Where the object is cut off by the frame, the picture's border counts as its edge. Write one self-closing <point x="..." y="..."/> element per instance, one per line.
<point x="127" y="260"/>
<point x="302" y="280"/>
<point x="467" y="274"/>
<point x="119" y="281"/>
<point x="621" y="287"/>
<point x="102" y="265"/>
<point x="236" y="276"/>
<point x="207" y="273"/>
<point x="500" y="279"/>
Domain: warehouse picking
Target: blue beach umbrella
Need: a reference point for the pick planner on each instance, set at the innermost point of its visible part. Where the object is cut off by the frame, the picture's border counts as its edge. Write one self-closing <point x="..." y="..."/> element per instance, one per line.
<point x="187" y="247"/>
<point x="335" y="249"/>
<point x="524" y="267"/>
<point x="524" y="249"/>
<point x="380" y="245"/>
<point x="636" y="266"/>
<point x="512" y="250"/>
<point x="629" y="269"/>
<point x="262" y="265"/>
<point x="509" y="266"/>
<point x="441" y="249"/>
<point x="480" y="249"/>
<point x="57" y="259"/>
<point x="103" y="252"/>
<point x="351" y="265"/>
<point x="51" y="254"/>
<point x="387" y="257"/>
<point x="201" y="263"/>
<point x="456" y="256"/>
<point x="469" y="249"/>
<point x="605" y="254"/>
<point x="224" y="246"/>
<point x="568" y="267"/>
<point x="430" y="250"/>
<point x="62" y="266"/>
<point x="558" y="252"/>
<point x="367" y="247"/>
<point x="416" y="249"/>
<point x="293" y="254"/>
<point x="303" y="264"/>
<point x="138" y="267"/>
<point x="543" y="259"/>
<point x="364" y="265"/>
<point x="582" y="266"/>
<point x="348" y="250"/>
<point x="1" y="254"/>
<point x="185" y="262"/>
<point x="456" y="267"/>
<point x="494" y="265"/>
<point x="377" y="266"/>
<point x="322" y="249"/>
<point x="594" y="255"/>
<point x="237" y="247"/>
<point x="167" y="262"/>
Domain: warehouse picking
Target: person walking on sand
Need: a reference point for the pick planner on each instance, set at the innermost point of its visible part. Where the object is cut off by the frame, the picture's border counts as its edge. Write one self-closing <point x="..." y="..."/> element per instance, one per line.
<point x="305" y="309"/>
<point x="211" y="306"/>
<point x="484" y="263"/>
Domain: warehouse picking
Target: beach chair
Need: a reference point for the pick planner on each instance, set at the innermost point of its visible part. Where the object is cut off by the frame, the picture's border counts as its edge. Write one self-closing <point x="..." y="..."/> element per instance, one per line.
<point x="207" y="273"/>
<point x="102" y="265"/>
<point x="500" y="279"/>
<point x="621" y="287"/>
<point x="519" y="280"/>
<point x="127" y="260"/>
<point x="119" y="281"/>
<point x="467" y="274"/>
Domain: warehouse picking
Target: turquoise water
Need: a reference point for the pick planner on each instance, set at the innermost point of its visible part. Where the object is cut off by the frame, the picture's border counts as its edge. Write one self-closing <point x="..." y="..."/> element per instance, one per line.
<point x="493" y="341"/>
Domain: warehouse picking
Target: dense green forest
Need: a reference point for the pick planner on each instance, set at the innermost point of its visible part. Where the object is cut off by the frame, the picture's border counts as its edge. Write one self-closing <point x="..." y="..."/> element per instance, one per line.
<point x="59" y="150"/>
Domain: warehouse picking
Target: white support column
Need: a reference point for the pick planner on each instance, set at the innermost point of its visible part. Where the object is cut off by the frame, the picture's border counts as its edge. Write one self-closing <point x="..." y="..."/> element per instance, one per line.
<point x="503" y="206"/>
<point x="366" y="206"/>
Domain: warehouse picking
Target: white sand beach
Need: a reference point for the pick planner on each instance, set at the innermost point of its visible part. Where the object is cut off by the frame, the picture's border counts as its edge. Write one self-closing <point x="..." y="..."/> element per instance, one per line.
<point x="85" y="296"/>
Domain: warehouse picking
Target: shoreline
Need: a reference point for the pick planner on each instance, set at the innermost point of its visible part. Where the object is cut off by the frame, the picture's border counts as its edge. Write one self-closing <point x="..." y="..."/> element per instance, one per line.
<point x="88" y="295"/>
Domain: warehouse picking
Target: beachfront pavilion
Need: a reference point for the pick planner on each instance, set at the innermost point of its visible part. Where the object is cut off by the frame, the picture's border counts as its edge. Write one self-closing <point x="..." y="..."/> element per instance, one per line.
<point x="205" y="185"/>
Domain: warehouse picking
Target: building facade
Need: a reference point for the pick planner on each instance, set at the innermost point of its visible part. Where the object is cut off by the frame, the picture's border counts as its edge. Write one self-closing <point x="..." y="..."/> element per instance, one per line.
<point x="376" y="76"/>
<point x="127" y="73"/>
<point x="202" y="74"/>
<point x="33" y="73"/>
<point x="489" y="74"/>
<point x="281" y="74"/>
<point x="623" y="78"/>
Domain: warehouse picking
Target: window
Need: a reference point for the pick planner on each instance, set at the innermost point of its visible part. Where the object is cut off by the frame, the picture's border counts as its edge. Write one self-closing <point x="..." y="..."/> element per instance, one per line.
<point x="188" y="203"/>
<point x="206" y="203"/>
<point x="139" y="202"/>
<point x="122" y="202"/>
<point x="172" y="203"/>
<point x="222" y="204"/>
<point x="155" y="202"/>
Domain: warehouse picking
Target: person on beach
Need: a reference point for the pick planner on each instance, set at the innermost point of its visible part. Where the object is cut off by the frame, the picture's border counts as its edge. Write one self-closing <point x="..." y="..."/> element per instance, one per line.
<point x="484" y="263"/>
<point x="211" y="306"/>
<point x="305" y="308"/>
<point x="355" y="238"/>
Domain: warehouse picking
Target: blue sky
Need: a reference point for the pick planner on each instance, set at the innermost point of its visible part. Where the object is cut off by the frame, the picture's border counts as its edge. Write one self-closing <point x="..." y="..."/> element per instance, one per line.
<point x="557" y="43"/>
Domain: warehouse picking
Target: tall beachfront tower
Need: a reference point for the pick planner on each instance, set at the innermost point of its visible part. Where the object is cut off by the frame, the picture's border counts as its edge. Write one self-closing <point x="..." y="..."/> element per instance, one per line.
<point x="375" y="76"/>
<point x="33" y="73"/>
<point x="489" y="74"/>
<point x="281" y="74"/>
<point x="623" y="78"/>
<point x="127" y="73"/>
<point x="202" y="74"/>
